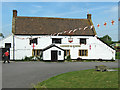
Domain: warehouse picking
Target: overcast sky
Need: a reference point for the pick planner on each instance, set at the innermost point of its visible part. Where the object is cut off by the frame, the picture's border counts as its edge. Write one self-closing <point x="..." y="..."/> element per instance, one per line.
<point x="101" y="12"/>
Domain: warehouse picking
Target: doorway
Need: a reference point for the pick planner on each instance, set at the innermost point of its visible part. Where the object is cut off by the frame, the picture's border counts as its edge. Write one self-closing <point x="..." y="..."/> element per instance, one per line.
<point x="54" y="55"/>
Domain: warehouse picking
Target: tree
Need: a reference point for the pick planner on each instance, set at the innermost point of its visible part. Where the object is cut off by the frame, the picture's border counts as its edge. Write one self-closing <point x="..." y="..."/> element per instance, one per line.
<point x="107" y="39"/>
<point x="1" y="35"/>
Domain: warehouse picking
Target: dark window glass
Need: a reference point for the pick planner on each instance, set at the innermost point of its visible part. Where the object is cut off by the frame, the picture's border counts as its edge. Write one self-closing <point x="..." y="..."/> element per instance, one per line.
<point x="7" y="45"/>
<point x="82" y="41"/>
<point x="34" y="52"/>
<point x="37" y="52"/>
<point x="59" y="52"/>
<point x="65" y="53"/>
<point x="82" y="52"/>
<point x="56" y="40"/>
<point x="85" y="52"/>
<point x="34" y="40"/>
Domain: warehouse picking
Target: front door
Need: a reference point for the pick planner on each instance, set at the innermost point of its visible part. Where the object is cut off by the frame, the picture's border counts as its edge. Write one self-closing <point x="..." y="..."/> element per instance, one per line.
<point x="54" y="56"/>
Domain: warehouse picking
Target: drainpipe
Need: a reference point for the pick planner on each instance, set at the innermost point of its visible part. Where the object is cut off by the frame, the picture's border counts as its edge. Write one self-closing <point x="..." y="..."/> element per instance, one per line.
<point x="13" y="48"/>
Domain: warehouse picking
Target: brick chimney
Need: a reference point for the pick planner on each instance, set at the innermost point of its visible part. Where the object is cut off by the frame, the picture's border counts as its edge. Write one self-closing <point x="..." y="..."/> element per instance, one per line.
<point x="14" y="13"/>
<point x="89" y="16"/>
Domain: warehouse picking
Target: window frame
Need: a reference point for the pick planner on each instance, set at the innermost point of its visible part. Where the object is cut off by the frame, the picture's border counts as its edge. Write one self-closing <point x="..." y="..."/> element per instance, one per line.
<point x="83" y="52"/>
<point x="36" y="52"/>
<point x="8" y="45"/>
<point x="65" y="53"/>
<point x="57" y="39"/>
<point x="34" y="40"/>
<point x="83" y="39"/>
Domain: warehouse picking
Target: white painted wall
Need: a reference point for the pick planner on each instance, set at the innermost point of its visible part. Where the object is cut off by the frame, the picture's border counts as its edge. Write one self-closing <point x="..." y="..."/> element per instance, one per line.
<point x="8" y="39"/>
<point x="99" y="50"/>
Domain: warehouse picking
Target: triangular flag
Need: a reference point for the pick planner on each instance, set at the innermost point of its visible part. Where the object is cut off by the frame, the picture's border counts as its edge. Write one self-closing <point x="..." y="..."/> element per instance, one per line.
<point x="65" y="31"/>
<point x="105" y="24"/>
<point x="54" y="34"/>
<point x="70" y="31"/>
<point x="80" y="28"/>
<point x="98" y="25"/>
<point x="91" y="27"/>
<point x="85" y="27"/>
<point x="112" y="22"/>
<point x="74" y="30"/>
<point x="119" y="19"/>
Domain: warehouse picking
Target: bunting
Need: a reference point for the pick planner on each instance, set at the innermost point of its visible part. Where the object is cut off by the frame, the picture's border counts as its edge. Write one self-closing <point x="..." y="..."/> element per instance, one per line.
<point x="98" y="25"/>
<point x="85" y="27"/>
<point x="70" y="31"/>
<point x="112" y="22"/>
<point x="91" y="26"/>
<point x="105" y="24"/>
<point x="74" y="30"/>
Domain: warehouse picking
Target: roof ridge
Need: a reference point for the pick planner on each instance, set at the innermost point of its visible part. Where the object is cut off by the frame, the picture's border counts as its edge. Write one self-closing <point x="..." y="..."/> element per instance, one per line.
<point x="51" y="18"/>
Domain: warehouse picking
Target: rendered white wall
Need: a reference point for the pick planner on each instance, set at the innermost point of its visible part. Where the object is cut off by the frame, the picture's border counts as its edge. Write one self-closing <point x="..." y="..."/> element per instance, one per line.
<point x="98" y="50"/>
<point x="8" y="39"/>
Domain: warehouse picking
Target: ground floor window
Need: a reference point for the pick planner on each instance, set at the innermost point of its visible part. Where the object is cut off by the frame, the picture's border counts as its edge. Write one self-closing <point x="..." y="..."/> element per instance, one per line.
<point x="67" y="52"/>
<point x="36" y="52"/>
<point x="83" y="52"/>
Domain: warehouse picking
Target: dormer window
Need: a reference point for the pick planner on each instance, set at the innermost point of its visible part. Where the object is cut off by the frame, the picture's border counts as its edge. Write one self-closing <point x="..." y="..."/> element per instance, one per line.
<point x="82" y="40"/>
<point x="56" y="40"/>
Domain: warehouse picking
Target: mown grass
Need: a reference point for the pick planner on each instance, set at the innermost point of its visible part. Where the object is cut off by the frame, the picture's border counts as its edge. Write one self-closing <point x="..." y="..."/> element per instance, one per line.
<point x="82" y="79"/>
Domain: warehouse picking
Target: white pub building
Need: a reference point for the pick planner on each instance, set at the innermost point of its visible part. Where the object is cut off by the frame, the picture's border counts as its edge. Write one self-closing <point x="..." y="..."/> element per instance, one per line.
<point x="55" y="38"/>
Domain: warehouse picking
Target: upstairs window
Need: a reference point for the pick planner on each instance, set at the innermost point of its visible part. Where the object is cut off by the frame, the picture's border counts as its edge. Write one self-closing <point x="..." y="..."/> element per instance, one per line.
<point x="82" y="40"/>
<point x="34" y="40"/>
<point x="7" y="45"/>
<point x="56" y="40"/>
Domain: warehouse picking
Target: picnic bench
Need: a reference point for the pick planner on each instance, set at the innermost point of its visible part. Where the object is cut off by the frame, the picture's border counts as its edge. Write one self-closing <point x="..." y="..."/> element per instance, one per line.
<point x="101" y="68"/>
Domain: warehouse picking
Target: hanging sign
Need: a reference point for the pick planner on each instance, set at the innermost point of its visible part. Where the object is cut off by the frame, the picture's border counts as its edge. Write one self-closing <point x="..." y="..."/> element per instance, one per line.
<point x="70" y="40"/>
<point x="69" y="45"/>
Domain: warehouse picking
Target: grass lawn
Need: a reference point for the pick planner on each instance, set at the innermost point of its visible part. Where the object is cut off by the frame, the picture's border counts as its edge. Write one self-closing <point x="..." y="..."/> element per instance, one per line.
<point x="82" y="79"/>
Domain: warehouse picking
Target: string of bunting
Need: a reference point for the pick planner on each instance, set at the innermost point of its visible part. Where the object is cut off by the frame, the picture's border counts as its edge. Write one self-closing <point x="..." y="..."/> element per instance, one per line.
<point x="71" y="31"/>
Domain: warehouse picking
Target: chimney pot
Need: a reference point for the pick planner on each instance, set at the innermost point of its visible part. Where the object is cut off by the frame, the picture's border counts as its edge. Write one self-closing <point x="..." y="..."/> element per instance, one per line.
<point x="14" y="13"/>
<point x="89" y="16"/>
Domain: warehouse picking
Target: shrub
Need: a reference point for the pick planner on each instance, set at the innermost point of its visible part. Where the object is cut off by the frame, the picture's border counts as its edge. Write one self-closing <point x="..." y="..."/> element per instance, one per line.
<point x="117" y="55"/>
<point x="99" y="59"/>
<point x="31" y="58"/>
<point x="69" y="57"/>
<point x="79" y="58"/>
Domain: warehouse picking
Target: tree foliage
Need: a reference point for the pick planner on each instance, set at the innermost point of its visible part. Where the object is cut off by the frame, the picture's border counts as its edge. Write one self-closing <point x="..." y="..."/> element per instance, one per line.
<point x="1" y="35"/>
<point x="107" y="39"/>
